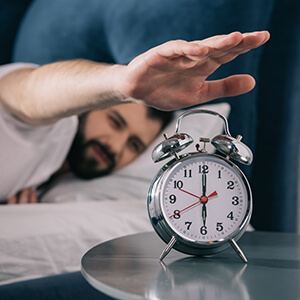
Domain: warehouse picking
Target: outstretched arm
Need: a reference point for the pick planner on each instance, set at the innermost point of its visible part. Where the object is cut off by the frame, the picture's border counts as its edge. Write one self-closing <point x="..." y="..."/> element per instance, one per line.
<point x="168" y="77"/>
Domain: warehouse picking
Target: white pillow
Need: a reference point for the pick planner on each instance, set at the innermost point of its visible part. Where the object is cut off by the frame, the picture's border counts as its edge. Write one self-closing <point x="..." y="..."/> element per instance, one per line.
<point x="132" y="182"/>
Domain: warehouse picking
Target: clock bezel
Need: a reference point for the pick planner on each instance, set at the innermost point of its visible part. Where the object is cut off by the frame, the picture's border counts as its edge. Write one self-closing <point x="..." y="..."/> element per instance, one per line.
<point x="163" y="228"/>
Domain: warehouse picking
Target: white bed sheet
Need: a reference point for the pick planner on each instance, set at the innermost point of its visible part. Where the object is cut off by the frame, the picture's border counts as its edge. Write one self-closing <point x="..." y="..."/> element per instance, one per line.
<point x="44" y="239"/>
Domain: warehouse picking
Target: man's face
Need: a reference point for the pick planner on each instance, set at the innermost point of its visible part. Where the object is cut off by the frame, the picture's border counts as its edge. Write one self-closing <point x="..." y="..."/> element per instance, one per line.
<point x="110" y="138"/>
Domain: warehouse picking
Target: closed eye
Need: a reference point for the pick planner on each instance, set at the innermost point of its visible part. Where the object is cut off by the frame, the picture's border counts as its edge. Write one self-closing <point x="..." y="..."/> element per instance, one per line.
<point x="136" y="145"/>
<point x="115" y="122"/>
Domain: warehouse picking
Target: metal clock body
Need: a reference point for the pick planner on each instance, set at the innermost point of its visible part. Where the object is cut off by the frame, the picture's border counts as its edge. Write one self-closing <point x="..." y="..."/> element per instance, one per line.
<point x="200" y="203"/>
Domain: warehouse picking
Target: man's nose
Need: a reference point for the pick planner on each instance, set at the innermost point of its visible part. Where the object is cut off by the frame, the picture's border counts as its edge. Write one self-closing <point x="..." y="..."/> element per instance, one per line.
<point x="118" y="143"/>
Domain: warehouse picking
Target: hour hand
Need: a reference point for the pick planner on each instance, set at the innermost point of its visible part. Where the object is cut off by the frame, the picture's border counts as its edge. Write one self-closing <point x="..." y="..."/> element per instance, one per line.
<point x="204" y="213"/>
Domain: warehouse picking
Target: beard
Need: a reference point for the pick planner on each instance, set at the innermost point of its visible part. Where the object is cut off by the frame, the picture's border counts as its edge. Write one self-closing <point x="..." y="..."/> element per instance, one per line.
<point x="85" y="167"/>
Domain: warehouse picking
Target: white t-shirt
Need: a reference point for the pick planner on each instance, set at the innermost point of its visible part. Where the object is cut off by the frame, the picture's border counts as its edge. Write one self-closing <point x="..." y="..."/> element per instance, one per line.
<point x="29" y="155"/>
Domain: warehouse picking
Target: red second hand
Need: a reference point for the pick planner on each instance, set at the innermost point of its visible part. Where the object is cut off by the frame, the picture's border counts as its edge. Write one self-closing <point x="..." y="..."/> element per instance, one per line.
<point x="211" y="195"/>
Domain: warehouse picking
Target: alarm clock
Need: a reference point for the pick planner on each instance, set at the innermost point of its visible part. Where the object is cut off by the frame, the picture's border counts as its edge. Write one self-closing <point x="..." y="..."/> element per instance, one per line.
<point x="200" y="203"/>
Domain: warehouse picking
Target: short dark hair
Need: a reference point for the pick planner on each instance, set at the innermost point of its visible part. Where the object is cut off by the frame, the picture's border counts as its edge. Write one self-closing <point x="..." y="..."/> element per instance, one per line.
<point x="164" y="116"/>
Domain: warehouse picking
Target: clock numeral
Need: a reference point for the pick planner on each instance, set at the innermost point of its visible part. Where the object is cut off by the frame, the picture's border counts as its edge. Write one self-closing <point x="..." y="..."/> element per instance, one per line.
<point x="172" y="199"/>
<point x="219" y="174"/>
<point x="203" y="169"/>
<point x="219" y="227"/>
<point x="188" y="225"/>
<point x="188" y="173"/>
<point x="235" y="200"/>
<point x="230" y="215"/>
<point x="178" y="184"/>
<point x="203" y="230"/>
<point x="230" y="185"/>
<point x="176" y="214"/>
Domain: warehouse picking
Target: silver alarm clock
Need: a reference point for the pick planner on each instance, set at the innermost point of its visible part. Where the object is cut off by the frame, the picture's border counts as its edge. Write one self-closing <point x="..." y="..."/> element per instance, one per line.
<point x="200" y="203"/>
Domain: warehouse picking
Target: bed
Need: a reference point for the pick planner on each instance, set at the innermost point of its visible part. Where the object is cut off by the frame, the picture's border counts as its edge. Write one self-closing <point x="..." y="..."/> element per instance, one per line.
<point x="49" y="238"/>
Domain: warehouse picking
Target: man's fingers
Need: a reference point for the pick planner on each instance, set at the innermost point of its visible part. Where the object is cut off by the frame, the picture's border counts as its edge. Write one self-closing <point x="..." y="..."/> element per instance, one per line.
<point x="228" y="87"/>
<point x="251" y="41"/>
<point x="222" y="49"/>
<point x="248" y="42"/>
<point x="24" y="196"/>
<point x="177" y="48"/>
<point x="263" y="35"/>
<point x="221" y="42"/>
<point x="12" y="200"/>
<point x="33" y="197"/>
<point x="235" y="40"/>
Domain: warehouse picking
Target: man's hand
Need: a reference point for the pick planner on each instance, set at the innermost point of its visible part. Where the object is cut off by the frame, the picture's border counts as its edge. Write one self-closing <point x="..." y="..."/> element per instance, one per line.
<point x="25" y="196"/>
<point x="173" y="75"/>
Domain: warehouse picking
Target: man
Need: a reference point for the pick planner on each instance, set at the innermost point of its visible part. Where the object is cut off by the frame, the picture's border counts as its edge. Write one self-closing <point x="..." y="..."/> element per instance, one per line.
<point x="168" y="77"/>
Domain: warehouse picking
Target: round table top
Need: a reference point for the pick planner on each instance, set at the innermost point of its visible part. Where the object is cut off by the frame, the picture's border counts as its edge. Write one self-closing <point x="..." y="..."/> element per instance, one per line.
<point x="129" y="268"/>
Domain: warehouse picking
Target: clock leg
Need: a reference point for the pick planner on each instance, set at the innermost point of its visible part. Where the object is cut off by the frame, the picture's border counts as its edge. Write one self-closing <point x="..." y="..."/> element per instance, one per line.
<point x="168" y="248"/>
<point x="238" y="250"/>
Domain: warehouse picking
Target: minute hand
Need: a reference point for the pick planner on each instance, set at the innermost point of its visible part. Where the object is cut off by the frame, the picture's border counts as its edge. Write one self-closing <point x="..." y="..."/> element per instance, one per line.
<point x="203" y="184"/>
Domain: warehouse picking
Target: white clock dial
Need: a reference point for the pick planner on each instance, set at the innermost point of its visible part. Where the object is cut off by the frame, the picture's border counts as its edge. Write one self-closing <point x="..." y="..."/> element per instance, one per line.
<point x="204" y="199"/>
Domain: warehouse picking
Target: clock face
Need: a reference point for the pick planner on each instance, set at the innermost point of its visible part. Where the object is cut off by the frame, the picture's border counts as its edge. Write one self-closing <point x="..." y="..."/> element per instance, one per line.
<point x="205" y="199"/>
